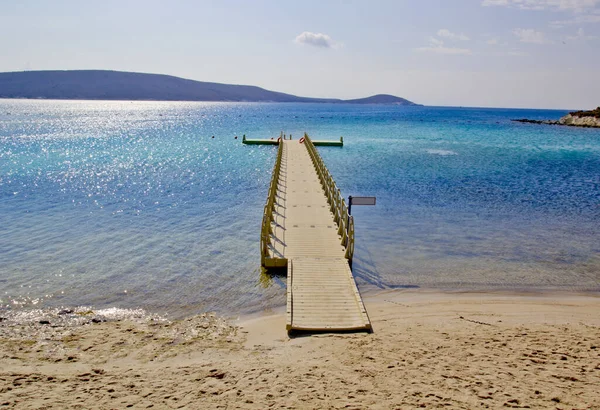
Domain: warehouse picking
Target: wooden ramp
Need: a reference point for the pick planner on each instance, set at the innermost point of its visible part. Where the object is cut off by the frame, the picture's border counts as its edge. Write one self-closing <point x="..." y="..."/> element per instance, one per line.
<point x="305" y="227"/>
<point x="322" y="296"/>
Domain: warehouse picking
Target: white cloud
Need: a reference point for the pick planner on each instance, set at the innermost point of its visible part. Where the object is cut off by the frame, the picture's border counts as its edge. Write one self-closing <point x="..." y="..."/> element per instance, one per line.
<point x="435" y="42"/>
<point x="581" y="36"/>
<point x="573" y="5"/>
<point x="495" y="41"/>
<point x="509" y="53"/>
<point x="529" y="35"/>
<point x="588" y="18"/>
<point x="584" y="11"/>
<point x="315" y="39"/>
<point x="437" y="46"/>
<point x="450" y="35"/>
<point x="446" y="50"/>
<point x="495" y="2"/>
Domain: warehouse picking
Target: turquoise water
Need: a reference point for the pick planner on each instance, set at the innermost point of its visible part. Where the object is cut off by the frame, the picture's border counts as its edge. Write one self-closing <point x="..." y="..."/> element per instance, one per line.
<point x="134" y="204"/>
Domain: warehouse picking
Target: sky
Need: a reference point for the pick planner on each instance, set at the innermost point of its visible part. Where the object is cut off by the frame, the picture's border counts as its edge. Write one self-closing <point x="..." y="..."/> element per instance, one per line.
<point x="485" y="53"/>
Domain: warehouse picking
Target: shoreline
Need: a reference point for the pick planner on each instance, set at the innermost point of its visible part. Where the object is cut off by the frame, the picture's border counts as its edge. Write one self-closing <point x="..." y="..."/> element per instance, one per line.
<point x="372" y="293"/>
<point x="428" y="348"/>
<point x="555" y="122"/>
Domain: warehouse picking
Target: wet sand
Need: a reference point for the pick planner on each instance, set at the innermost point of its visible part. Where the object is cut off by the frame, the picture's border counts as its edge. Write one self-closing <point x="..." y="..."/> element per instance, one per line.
<point x="428" y="349"/>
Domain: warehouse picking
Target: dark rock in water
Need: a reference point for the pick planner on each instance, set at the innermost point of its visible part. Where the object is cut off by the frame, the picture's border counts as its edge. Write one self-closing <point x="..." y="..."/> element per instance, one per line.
<point x="65" y="312"/>
<point x="547" y="122"/>
<point x="586" y="119"/>
<point x="44" y="322"/>
<point x="2" y="319"/>
<point x="98" y="320"/>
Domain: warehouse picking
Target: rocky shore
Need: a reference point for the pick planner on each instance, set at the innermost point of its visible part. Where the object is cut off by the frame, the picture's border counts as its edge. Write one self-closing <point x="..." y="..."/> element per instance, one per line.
<point x="580" y="121"/>
<point x="573" y="119"/>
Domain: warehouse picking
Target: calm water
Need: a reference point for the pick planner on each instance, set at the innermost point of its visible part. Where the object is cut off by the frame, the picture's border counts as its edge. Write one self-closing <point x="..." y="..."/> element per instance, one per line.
<point x="121" y="204"/>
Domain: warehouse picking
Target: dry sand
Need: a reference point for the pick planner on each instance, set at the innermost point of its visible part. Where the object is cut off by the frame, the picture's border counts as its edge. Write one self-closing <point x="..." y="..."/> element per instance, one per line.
<point x="432" y="350"/>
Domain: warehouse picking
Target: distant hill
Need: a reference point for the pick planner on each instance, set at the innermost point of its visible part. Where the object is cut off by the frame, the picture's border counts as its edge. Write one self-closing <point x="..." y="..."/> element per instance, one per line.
<point x="381" y="99"/>
<point x="119" y="85"/>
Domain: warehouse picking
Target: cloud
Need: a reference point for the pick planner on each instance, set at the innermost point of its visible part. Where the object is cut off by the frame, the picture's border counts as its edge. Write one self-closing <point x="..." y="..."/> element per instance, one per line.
<point x="581" y="36"/>
<point x="588" y="18"/>
<point x="505" y="53"/>
<point x="495" y="41"/>
<point x="437" y="46"/>
<point x="435" y="42"/>
<point x="584" y="11"/>
<point x="495" y="2"/>
<point x="446" y="50"/>
<point x="529" y="35"/>
<point x="573" y="5"/>
<point x="450" y="35"/>
<point x="315" y="39"/>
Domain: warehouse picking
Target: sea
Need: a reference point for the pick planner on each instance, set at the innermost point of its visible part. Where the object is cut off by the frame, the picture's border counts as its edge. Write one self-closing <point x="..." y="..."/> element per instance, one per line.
<point x="158" y="206"/>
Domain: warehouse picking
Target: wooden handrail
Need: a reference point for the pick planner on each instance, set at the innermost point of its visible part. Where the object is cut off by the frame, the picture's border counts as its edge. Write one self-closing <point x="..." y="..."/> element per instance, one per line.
<point x="350" y="247"/>
<point x="266" y="227"/>
<point x="335" y="199"/>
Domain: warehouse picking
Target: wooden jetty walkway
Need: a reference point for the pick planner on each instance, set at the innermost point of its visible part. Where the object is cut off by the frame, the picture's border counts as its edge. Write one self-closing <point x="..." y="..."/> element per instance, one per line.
<point x="306" y="228"/>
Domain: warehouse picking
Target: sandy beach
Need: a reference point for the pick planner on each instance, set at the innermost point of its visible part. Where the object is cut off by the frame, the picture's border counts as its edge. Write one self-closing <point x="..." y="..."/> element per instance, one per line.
<point x="428" y="349"/>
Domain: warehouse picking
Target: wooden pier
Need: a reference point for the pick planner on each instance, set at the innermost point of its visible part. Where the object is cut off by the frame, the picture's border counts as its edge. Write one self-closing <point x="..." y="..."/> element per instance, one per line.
<point x="306" y="229"/>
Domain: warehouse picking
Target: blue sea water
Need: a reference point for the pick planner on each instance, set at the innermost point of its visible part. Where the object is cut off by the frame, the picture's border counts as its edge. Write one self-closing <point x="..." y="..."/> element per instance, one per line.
<point x="134" y="204"/>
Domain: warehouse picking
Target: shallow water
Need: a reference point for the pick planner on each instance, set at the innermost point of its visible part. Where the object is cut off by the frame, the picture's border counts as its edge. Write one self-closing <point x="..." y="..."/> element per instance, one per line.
<point x="134" y="204"/>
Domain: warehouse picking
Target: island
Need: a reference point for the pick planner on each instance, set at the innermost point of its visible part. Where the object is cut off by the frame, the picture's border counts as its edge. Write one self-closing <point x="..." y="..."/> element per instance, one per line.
<point x="120" y="85"/>
<point x="589" y="118"/>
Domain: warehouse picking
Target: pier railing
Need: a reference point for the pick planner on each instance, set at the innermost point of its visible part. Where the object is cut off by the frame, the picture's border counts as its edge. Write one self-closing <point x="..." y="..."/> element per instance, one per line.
<point x="267" y="229"/>
<point x="337" y="204"/>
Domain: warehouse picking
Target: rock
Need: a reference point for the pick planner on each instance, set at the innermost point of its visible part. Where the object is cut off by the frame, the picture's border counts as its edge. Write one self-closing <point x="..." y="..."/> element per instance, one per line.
<point x="579" y="121"/>
<point x="548" y="122"/>
<point x="44" y="322"/>
<point x="569" y="119"/>
<point x="217" y="375"/>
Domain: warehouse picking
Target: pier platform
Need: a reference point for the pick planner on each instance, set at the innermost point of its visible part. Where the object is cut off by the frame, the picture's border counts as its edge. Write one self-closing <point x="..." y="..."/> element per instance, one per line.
<point x="275" y="141"/>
